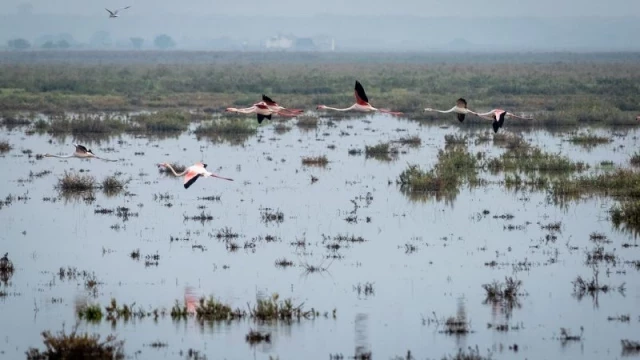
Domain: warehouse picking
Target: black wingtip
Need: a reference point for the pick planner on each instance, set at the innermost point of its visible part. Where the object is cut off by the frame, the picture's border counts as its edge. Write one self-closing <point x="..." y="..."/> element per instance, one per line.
<point x="496" y="126"/>
<point x="260" y="118"/>
<point x="460" y="117"/>
<point x="204" y="166"/>
<point x="501" y="119"/>
<point x="268" y="117"/>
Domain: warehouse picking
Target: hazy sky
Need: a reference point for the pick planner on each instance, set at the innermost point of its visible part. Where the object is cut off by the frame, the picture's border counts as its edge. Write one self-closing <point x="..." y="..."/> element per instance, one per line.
<point x="426" y="8"/>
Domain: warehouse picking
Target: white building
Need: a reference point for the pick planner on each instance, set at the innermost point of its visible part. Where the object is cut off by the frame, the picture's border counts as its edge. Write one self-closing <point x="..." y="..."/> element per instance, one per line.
<point x="279" y="42"/>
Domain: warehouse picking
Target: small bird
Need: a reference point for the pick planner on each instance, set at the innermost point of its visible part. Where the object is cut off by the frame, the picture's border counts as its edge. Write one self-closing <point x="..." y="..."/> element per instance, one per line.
<point x="460" y="109"/>
<point x="193" y="172"/>
<point x="81" y="152"/>
<point x="498" y="116"/>
<point x="114" y="13"/>
<point x="362" y="103"/>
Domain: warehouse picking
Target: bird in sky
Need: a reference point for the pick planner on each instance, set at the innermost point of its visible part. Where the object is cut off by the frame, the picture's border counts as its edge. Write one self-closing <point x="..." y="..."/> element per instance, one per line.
<point x="114" y="13"/>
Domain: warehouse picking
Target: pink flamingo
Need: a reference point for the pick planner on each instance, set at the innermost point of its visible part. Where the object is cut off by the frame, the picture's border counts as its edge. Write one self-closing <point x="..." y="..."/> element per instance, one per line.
<point x="460" y="109"/>
<point x="498" y="116"/>
<point x="362" y="103"/>
<point x="190" y="300"/>
<point x="261" y="109"/>
<point x="280" y="110"/>
<point x="193" y="172"/>
<point x="81" y="152"/>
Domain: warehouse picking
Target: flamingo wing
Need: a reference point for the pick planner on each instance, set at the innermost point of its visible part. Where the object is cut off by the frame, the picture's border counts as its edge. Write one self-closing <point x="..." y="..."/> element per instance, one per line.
<point x="81" y="148"/>
<point x="499" y="120"/>
<point x="361" y="96"/>
<point x="268" y="100"/>
<point x="110" y="12"/>
<point x="191" y="176"/>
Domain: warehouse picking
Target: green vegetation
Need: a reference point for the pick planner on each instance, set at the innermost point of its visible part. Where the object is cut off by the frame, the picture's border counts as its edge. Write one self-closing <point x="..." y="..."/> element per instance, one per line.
<point x="455" y="166"/>
<point x="530" y="159"/>
<point x="589" y="140"/>
<point x="382" y="151"/>
<point x="235" y="131"/>
<point x="622" y="183"/>
<point x="92" y="313"/>
<point x="584" y="91"/>
<point x="627" y="216"/>
<point x="77" y="346"/>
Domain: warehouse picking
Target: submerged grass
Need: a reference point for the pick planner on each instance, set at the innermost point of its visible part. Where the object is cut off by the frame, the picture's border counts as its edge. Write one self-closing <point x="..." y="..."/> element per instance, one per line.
<point x="77" y="346"/>
<point x="455" y="166"/>
<point x="307" y="122"/>
<point x="623" y="183"/>
<point x="234" y="131"/>
<point x="161" y="121"/>
<point x="506" y="294"/>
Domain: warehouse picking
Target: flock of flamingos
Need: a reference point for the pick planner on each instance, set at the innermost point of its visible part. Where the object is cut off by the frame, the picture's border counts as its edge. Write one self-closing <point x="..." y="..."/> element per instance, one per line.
<point x="267" y="107"/>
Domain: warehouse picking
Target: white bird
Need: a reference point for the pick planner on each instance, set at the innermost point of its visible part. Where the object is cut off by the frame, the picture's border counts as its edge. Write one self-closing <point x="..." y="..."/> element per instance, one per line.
<point x="460" y="109"/>
<point x="114" y="13"/>
<point x="193" y="172"/>
<point x="81" y="152"/>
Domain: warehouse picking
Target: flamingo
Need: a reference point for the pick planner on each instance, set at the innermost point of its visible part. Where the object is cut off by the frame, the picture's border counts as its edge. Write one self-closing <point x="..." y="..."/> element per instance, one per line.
<point x="638" y="117"/>
<point x="114" y="13"/>
<point x="498" y="116"/>
<point x="193" y="172"/>
<point x="460" y="109"/>
<point x="362" y="103"/>
<point x="190" y="300"/>
<point x="81" y="152"/>
<point x="280" y="110"/>
<point x="262" y="111"/>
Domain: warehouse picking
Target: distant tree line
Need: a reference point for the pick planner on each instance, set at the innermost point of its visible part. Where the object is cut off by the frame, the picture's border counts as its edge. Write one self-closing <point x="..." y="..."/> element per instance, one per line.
<point x="100" y="39"/>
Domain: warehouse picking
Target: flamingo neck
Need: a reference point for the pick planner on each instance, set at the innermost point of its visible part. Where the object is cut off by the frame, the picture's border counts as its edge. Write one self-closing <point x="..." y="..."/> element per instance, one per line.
<point x="337" y="109"/>
<point x="174" y="172"/>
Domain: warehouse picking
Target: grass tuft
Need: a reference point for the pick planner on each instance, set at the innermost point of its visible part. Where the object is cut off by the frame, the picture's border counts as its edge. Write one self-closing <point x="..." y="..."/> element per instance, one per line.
<point x="77" y="346"/>
<point x="4" y="146"/>
<point x="315" y="161"/>
<point x="75" y="182"/>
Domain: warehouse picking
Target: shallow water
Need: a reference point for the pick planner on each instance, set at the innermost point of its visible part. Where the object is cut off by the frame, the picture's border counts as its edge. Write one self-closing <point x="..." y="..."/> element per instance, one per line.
<point x="453" y="242"/>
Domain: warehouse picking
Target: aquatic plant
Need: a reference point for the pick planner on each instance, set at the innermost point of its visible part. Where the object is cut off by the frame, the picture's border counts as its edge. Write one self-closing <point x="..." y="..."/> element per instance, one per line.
<point x="630" y="347"/>
<point x="589" y="140"/>
<point x="469" y="354"/>
<point x="529" y="159"/>
<point x="256" y="337"/>
<point x="4" y="146"/>
<point x="91" y="312"/>
<point x="315" y="161"/>
<point x="455" y="166"/>
<point x="635" y="159"/>
<point x="506" y="294"/>
<point x="161" y="121"/>
<point x="6" y="268"/>
<point x="272" y="308"/>
<point x="75" y="182"/>
<point x="382" y="151"/>
<point x="77" y="346"/>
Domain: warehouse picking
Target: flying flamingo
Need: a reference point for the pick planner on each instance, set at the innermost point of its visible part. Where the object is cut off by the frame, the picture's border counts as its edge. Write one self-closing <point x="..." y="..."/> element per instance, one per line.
<point x="498" y="116"/>
<point x="638" y="117"/>
<point x="460" y="109"/>
<point x="261" y="109"/>
<point x="114" y="13"/>
<point x="81" y="152"/>
<point x="362" y="103"/>
<point x="193" y="172"/>
<point x="280" y="110"/>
